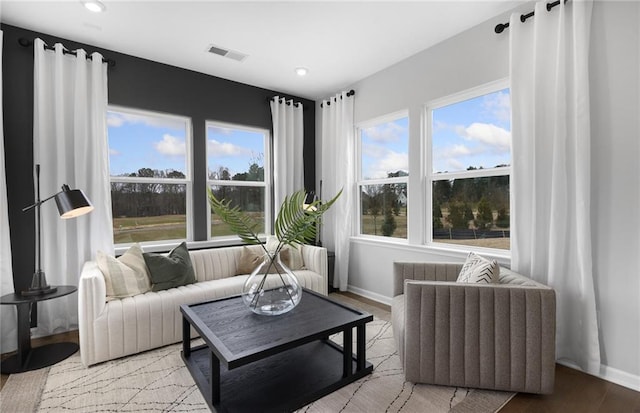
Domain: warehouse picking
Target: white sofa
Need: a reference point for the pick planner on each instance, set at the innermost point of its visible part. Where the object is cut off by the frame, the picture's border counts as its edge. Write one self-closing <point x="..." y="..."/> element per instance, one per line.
<point x="117" y="328"/>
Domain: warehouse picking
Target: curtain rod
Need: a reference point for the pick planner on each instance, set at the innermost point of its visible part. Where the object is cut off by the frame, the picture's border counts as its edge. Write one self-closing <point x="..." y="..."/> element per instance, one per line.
<point x="349" y="93"/>
<point x="284" y="100"/>
<point x="26" y="43"/>
<point x="523" y="17"/>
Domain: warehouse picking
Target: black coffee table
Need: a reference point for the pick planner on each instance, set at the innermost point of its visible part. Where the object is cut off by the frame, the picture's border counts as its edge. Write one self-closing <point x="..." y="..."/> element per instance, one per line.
<point x="252" y="362"/>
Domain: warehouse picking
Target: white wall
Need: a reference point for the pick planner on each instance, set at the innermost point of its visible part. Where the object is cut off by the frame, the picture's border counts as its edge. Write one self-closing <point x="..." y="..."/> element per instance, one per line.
<point x="480" y="56"/>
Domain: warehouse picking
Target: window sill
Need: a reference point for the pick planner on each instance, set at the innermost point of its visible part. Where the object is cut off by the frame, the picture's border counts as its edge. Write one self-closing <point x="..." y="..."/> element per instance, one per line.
<point x="167" y="245"/>
<point x="447" y="250"/>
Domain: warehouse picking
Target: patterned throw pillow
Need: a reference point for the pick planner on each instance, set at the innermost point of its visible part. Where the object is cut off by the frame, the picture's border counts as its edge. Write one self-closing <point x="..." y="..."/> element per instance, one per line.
<point x="126" y="275"/>
<point x="477" y="269"/>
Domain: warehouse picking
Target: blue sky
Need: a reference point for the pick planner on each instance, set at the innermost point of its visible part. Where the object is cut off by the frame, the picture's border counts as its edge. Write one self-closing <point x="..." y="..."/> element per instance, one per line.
<point x="235" y="149"/>
<point x="138" y="141"/>
<point x="475" y="132"/>
<point x="385" y="148"/>
<point x="159" y="142"/>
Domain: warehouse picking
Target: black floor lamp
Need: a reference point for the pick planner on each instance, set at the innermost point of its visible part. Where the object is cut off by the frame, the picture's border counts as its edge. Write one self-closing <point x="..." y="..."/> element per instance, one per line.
<point x="71" y="203"/>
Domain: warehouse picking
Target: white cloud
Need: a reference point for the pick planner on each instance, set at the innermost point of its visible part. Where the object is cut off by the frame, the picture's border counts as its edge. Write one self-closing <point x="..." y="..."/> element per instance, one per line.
<point x="499" y="105"/>
<point x="455" y="165"/>
<point x="495" y="137"/>
<point x="389" y="132"/>
<point x="453" y="152"/>
<point x="171" y="146"/>
<point x="114" y="152"/>
<point x="385" y="161"/>
<point x="216" y="148"/>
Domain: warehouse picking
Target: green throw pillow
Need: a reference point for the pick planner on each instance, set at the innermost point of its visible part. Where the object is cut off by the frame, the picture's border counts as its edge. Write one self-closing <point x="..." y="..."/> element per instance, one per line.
<point x="172" y="270"/>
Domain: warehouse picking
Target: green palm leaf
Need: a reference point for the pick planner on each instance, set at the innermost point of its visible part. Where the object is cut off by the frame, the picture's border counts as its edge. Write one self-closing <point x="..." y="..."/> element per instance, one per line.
<point x="295" y="223"/>
<point x="243" y="225"/>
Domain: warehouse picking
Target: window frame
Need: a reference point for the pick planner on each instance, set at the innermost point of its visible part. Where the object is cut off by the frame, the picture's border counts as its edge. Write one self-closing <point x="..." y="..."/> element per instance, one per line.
<point x="361" y="182"/>
<point x="187" y="181"/>
<point x="430" y="176"/>
<point x="267" y="184"/>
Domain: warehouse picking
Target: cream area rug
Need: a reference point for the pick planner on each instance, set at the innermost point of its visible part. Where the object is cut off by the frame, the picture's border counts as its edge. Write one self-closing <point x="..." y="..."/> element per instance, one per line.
<point x="158" y="381"/>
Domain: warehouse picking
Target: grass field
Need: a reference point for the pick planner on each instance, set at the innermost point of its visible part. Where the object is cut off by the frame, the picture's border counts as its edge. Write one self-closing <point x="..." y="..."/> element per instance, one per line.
<point x="141" y="229"/>
<point x="371" y="225"/>
<point x="128" y="229"/>
<point x="499" y="243"/>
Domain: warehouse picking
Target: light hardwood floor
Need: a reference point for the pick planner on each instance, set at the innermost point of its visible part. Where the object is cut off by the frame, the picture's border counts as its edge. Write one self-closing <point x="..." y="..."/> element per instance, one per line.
<point x="574" y="391"/>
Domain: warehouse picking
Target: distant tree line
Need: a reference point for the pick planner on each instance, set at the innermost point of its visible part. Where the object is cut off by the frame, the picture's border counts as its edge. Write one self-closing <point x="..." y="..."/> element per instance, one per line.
<point x="461" y="196"/>
<point x="155" y="199"/>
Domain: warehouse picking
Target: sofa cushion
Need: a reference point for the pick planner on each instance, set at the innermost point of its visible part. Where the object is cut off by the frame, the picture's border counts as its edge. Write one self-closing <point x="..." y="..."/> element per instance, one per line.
<point x="249" y="260"/>
<point x="173" y="270"/>
<point x="478" y="269"/>
<point x="252" y="257"/>
<point x="126" y="275"/>
<point x="290" y="256"/>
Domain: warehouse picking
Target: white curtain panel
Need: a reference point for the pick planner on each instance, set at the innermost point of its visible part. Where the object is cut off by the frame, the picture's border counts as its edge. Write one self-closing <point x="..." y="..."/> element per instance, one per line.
<point x="70" y="144"/>
<point x="338" y="173"/>
<point x="8" y="328"/>
<point x="288" y="140"/>
<point x="551" y="237"/>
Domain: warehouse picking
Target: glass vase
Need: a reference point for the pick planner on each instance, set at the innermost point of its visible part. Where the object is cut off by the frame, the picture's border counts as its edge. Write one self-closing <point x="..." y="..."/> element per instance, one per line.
<point x="272" y="288"/>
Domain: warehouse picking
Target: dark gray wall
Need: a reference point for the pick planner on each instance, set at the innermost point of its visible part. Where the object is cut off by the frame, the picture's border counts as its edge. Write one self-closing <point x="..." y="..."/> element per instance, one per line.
<point x="135" y="83"/>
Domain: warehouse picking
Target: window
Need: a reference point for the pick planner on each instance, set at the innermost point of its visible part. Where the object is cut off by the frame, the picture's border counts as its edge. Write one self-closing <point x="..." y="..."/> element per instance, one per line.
<point x="471" y="163"/>
<point x="150" y="163"/>
<point x="383" y="176"/>
<point x="238" y="168"/>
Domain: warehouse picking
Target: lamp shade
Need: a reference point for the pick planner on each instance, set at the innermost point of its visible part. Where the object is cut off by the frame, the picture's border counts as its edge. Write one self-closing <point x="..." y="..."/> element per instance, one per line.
<point x="72" y="203"/>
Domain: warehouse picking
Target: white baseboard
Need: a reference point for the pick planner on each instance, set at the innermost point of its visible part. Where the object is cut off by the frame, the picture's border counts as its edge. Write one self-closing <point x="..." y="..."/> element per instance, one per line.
<point x="370" y="295"/>
<point x="607" y="373"/>
<point x="610" y="374"/>
<point x="620" y="377"/>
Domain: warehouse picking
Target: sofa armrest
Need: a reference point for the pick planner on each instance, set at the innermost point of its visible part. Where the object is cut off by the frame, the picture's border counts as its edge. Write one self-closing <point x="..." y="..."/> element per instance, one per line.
<point x="92" y="297"/>
<point x="477" y="335"/>
<point x="315" y="259"/>
<point x="423" y="271"/>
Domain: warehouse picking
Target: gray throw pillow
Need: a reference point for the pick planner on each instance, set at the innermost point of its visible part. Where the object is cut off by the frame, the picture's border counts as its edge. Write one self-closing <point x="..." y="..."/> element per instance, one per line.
<point x="171" y="270"/>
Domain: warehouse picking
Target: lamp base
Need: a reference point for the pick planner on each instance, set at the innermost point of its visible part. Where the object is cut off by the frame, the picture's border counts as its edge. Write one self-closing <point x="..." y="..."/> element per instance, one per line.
<point x="39" y="285"/>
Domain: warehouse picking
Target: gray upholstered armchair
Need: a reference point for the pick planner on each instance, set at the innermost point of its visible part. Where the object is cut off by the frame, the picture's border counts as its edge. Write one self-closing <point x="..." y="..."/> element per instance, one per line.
<point x="492" y="336"/>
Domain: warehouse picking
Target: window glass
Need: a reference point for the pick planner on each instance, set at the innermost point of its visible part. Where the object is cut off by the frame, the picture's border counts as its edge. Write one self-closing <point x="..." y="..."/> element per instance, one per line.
<point x="471" y="140"/>
<point x="150" y="142"/>
<point x="249" y="199"/>
<point x="383" y="210"/>
<point x="235" y="154"/>
<point x="150" y="186"/>
<point x="384" y="149"/>
<point x="473" y="133"/>
<point x="148" y="212"/>
<point x="384" y="171"/>
<point x="238" y="165"/>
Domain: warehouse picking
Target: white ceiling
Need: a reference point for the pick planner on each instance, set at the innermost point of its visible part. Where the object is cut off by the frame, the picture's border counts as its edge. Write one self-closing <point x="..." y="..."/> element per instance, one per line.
<point x="339" y="42"/>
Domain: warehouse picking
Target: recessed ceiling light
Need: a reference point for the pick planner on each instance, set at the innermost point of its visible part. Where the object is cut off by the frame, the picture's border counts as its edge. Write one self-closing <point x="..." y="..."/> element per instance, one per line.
<point x="94" y="6"/>
<point x="302" y="71"/>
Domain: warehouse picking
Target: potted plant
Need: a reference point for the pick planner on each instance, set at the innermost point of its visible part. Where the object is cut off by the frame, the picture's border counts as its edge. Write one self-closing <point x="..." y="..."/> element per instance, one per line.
<point x="272" y="288"/>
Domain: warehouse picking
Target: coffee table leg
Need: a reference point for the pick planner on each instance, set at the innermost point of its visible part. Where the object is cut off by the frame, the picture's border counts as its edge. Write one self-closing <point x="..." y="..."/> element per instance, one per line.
<point x="186" y="337"/>
<point x="360" y="347"/>
<point x="347" y="353"/>
<point x="214" y="380"/>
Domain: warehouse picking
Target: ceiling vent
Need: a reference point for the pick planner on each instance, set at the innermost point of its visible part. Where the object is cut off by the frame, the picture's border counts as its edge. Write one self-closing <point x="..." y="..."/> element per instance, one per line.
<point x="231" y="54"/>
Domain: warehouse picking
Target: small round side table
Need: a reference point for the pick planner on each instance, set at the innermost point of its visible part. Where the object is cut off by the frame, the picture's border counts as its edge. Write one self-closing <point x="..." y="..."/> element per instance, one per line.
<point x="32" y="358"/>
